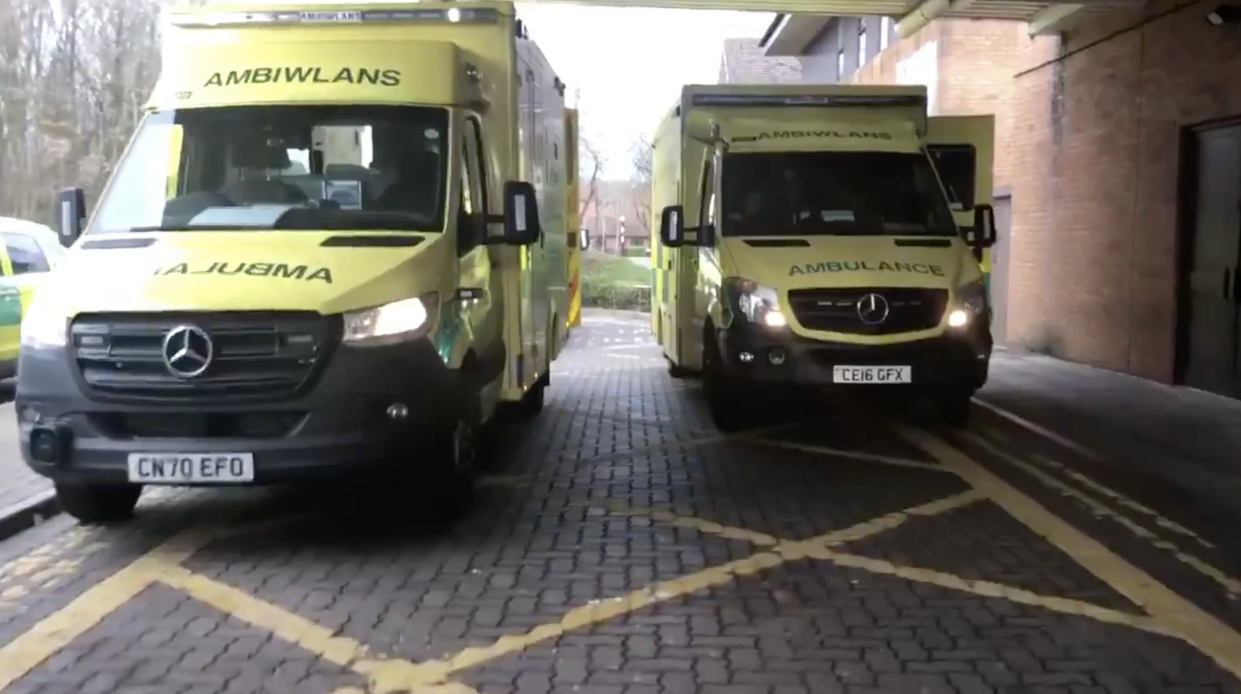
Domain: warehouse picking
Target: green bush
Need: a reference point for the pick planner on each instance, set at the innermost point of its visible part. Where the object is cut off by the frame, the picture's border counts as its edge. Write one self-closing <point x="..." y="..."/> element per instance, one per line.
<point x="616" y="296"/>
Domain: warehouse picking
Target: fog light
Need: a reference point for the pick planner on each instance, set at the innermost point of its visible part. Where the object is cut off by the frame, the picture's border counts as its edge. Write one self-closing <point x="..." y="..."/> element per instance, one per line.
<point x="746" y="357"/>
<point x="776" y="356"/>
<point x="958" y="318"/>
<point x="46" y="445"/>
<point x="30" y="415"/>
<point x="398" y="410"/>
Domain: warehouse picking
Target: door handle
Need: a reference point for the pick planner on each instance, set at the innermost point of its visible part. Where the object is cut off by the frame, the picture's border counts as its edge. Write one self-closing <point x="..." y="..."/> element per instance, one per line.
<point x="1228" y="284"/>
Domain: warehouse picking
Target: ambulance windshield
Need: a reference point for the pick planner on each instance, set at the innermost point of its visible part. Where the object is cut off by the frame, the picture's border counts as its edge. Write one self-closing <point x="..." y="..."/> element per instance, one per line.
<point x="833" y="193"/>
<point x="282" y="167"/>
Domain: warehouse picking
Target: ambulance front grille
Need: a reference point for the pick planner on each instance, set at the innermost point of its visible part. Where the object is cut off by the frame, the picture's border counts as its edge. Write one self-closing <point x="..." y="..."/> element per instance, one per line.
<point x="836" y="310"/>
<point x="255" y="355"/>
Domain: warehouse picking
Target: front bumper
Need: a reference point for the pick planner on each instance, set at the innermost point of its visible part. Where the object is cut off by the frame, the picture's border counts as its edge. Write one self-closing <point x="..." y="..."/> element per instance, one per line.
<point x="339" y="426"/>
<point x="954" y="361"/>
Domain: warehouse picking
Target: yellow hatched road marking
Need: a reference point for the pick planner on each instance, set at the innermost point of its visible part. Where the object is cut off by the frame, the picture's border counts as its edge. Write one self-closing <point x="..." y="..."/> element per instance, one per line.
<point x="819" y="549"/>
<point x="1101" y="510"/>
<point x="1174" y="613"/>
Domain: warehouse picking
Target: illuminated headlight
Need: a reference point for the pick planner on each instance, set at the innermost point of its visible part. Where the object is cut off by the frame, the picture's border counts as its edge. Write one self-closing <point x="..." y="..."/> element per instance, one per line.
<point x="399" y="321"/>
<point x="756" y="302"/>
<point x="43" y="326"/>
<point x="970" y="300"/>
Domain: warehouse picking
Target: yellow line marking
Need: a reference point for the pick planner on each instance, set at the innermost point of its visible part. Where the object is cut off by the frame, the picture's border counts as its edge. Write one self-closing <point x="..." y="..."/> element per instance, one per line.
<point x="997" y="436"/>
<point x="990" y="589"/>
<point x="793" y="549"/>
<point x="855" y="455"/>
<point x="385" y="674"/>
<point x="282" y="623"/>
<point x="1128" y="503"/>
<point x="394" y="676"/>
<point x="54" y="632"/>
<point x="1040" y="430"/>
<point x="1103" y="511"/>
<point x="1177" y="615"/>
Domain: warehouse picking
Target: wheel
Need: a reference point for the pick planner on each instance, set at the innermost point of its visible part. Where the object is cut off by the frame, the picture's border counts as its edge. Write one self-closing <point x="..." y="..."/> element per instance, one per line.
<point x="954" y="408"/>
<point x="676" y="370"/>
<point x="98" y="503"/>
<point x="532" y="403"/>
<point x="724" y="395"/>
<point x="449" y="477"/>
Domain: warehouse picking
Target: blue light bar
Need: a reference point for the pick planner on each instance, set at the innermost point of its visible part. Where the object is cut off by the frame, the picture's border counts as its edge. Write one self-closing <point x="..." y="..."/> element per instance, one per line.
<point x="808" y="100"/>
<point x="472" y="15"/>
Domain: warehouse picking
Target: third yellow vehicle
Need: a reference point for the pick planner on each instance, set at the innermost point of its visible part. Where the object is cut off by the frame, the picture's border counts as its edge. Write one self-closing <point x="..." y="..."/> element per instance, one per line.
<point x="822" y="235"/>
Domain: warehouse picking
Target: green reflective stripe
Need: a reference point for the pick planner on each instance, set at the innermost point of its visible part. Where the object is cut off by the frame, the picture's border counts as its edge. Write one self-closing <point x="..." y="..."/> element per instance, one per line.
<point x="10" y="304"/>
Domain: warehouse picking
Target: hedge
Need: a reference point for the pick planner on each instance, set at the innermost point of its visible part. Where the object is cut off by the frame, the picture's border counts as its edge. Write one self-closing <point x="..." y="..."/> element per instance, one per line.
<point x="616" y="296"/>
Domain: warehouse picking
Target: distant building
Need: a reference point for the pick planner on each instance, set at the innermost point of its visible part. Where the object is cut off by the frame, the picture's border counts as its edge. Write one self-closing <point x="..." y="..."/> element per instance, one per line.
<point x="743" y="62"/>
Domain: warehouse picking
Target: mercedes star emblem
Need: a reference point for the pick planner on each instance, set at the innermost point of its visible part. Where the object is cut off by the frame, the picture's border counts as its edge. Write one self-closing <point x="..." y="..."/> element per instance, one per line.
<point x="872" y="309"/>
<point x="187" y="351"/>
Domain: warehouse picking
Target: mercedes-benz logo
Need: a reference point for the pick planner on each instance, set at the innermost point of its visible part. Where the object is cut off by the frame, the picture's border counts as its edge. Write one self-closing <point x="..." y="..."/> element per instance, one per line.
<point x="872" y="309"/>
<point x="187" y="351"/>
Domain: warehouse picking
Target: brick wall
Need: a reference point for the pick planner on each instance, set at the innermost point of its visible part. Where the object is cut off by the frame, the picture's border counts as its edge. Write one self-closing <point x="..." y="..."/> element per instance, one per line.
<point x="977" y="60"/>
<point x="1094" y="153"/>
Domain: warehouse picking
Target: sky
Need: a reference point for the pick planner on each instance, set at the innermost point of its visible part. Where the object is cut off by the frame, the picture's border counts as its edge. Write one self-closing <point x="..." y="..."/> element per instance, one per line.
<point x="630" y="63"/>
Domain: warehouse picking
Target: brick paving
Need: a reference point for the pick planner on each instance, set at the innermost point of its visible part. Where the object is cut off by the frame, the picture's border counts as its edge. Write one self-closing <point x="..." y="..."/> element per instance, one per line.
<point x="618" y="546"/>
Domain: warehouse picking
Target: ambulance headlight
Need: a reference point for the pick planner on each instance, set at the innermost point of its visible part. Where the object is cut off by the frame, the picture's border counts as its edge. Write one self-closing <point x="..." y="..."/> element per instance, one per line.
<point x="44" y="326"/>
<point x="756" y="302"/>
<point x="969" y="302"/>
<point x="399" y="321"/>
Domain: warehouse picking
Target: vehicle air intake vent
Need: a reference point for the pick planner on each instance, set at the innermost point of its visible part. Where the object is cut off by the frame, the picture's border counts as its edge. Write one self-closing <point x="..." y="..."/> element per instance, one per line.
<point x="233" y="355"/>
<point x="893" y="311"/>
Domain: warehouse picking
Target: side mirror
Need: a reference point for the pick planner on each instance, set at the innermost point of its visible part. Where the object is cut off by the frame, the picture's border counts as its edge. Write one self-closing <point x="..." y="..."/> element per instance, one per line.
<point x="71" y="214"/>
<point x="521" y="214"/>
<point x="584" y="239"/>
<point x="672" y="226"/>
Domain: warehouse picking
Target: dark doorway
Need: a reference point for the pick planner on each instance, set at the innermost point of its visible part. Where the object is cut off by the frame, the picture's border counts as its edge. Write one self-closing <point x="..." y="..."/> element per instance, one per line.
<point x="1212" y="195"/>
<point x="1002" y="199"/>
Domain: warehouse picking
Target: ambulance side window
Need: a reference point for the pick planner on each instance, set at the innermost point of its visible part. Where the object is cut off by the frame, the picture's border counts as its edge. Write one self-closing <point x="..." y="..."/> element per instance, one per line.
<point x="472" y="226"/>
<point x="956" y="167"/>
<point x="706" y="206"/>
<point x="25" y="254"/>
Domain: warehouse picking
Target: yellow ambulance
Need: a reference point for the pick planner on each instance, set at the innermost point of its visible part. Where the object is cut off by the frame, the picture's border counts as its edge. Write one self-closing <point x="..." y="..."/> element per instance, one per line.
<point x="825" y="236"/>
<point x="334" y="246"/>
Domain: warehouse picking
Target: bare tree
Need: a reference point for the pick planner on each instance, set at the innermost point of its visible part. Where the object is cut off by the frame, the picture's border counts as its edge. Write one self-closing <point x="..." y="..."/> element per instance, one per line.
<point x="641" y="153"/>
<point x="72" y="85"/>
<point x="592" y="167"/>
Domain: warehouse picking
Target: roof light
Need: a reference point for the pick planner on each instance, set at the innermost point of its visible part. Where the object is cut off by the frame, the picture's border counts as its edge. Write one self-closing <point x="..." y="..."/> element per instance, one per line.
<point x="451" y="14"/>
<point x="808" y="100"/>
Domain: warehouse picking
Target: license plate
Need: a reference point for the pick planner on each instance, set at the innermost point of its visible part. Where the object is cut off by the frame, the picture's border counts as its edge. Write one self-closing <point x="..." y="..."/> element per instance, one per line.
<point x="872" y="374"/>
<point x="191" y="468"/>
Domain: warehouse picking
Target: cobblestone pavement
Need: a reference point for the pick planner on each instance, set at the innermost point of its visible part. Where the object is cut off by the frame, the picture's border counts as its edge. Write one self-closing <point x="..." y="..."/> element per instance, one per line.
<point x="620" y="545"/>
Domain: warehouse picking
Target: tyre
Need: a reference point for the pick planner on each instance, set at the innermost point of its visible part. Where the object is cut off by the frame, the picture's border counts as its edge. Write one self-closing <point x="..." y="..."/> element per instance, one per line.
<point x="724" y="395"/>
<point x="677" y="371"/>
<point x="98" y="503"/>
<point x="954" y="408"/>
<point x="532" y="403"/>
<point x="448" y="479"/>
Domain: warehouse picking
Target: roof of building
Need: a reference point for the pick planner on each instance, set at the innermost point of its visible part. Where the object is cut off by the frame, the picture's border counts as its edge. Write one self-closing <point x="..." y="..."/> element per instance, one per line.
<point x="743" y="61"/>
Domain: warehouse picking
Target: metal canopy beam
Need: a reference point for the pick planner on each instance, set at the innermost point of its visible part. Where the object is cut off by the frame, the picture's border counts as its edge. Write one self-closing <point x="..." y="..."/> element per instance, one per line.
<point x="927" y="12"/>
<point x="1052" y="19"/>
